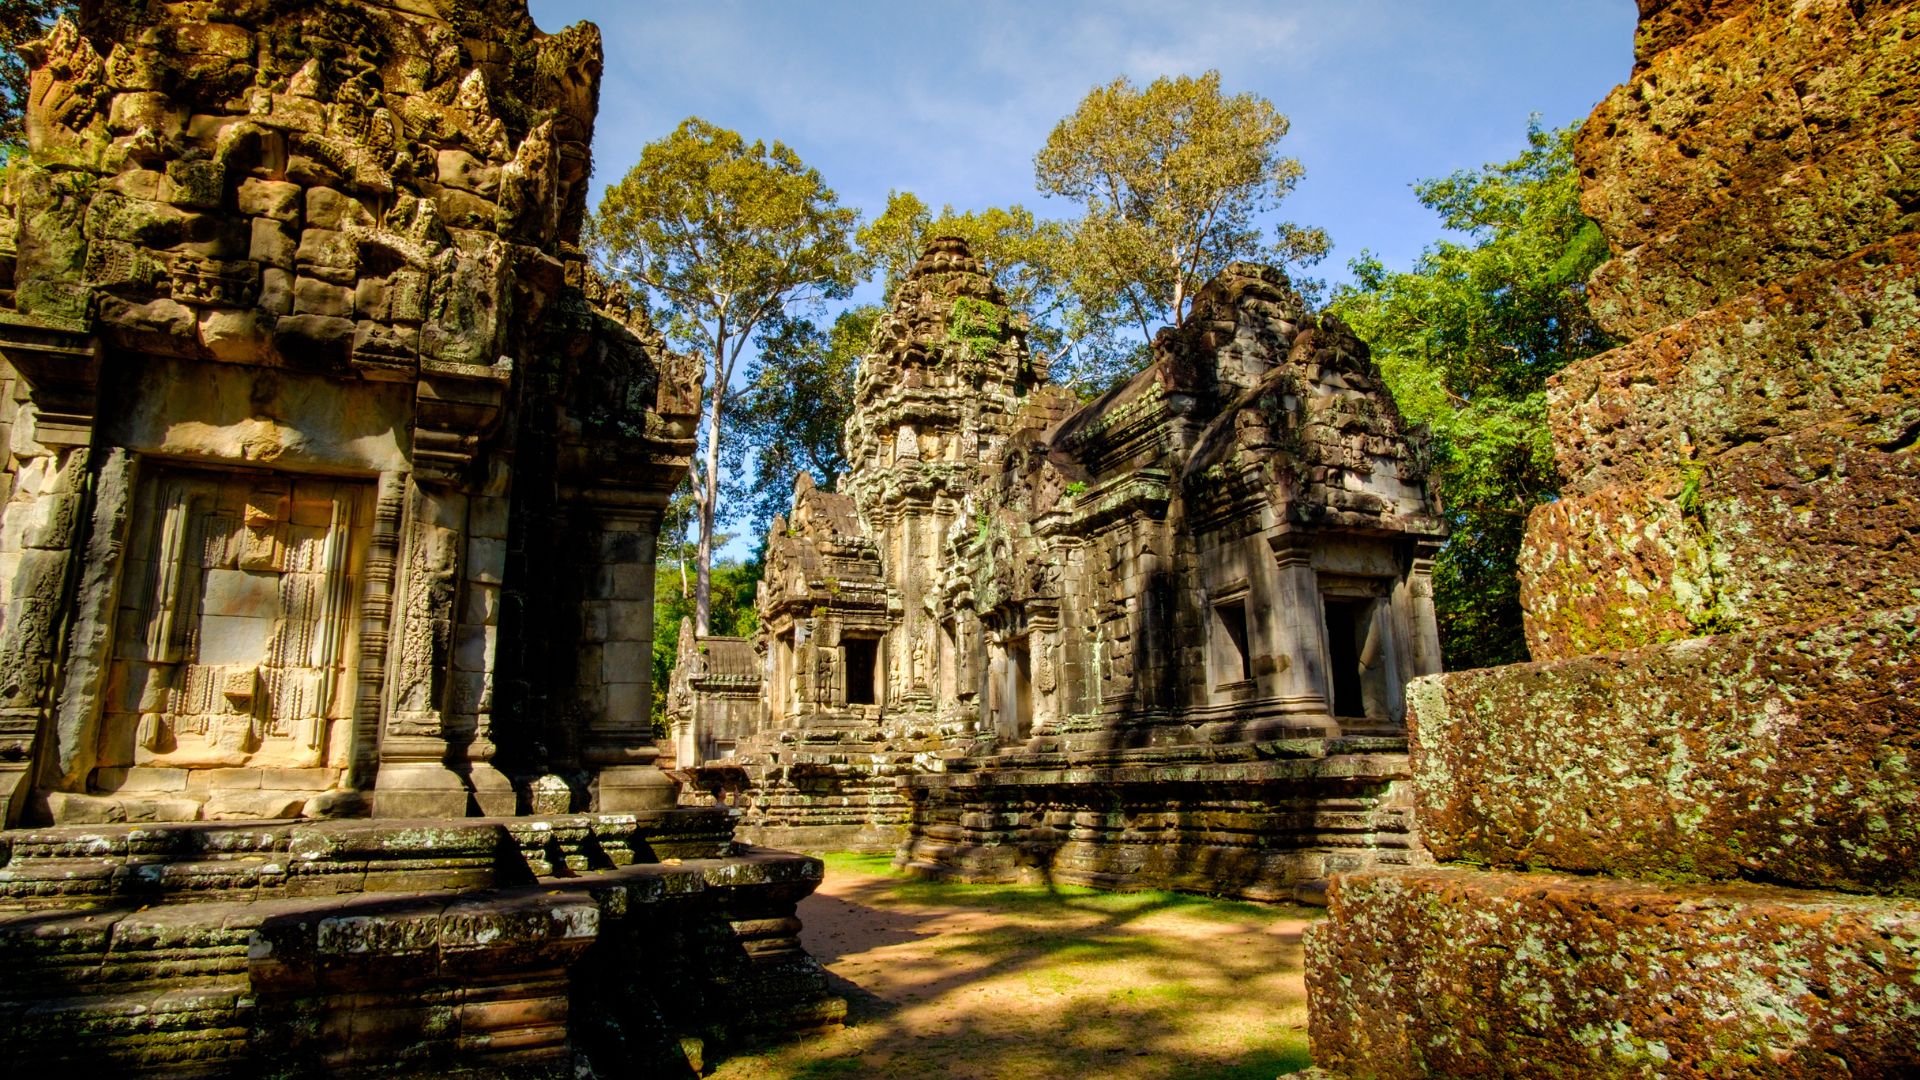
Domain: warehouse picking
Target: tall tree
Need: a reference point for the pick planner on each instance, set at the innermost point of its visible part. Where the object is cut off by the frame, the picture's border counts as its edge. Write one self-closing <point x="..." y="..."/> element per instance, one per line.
<point x="731" y="236"/>
<point x="1173" y="179"/>
<point x="799" y="395"/>
<point x="21" y="21"/>
<point x="1465" y="342"/>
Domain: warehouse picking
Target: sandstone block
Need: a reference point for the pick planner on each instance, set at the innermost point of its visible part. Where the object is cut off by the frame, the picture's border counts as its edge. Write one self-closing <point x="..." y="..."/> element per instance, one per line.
<point x="237" y="336"/>
<point x="1793" y="529"/>
<point x="327" y="248"/>
<point x="199" y="185"/>
<point x="1777" y="140"/>
<point x="312" y="296"/>
<point x="274" y="243"/>
<point x="112" y="216"/>
<point x="1840" y="346"/>
<point x="316" y="340"/>
<point x="329" y="209"/>
<point x="461" y="210"/>
<point x="459" y="169"/>
<point x="1781" y="756"/>
<point x="276" y="292"/>
<point x="71" y="809"/>
<point x="156" y="112"/>
<point x="274" y="199"/>
<point x="1449" y="972"/>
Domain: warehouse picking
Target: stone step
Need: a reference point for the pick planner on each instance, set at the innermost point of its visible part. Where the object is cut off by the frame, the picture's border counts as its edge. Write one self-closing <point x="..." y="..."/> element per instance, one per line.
<point x="1782" y="755"/>
<point x="197" y="862"/>
<point x="187" y="840"/>
<point x="1455" y="972"/>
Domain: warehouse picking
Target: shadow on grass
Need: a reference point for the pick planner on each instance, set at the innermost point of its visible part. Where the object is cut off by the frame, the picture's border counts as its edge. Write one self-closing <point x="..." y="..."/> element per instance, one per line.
<point x="1051" y="981"/>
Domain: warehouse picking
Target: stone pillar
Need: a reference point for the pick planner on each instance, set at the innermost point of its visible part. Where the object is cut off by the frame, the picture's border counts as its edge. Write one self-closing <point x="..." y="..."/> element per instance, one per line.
<point x="456" y="407"/>
<point x="414" y="779"/>
<point x="476" y="645"/>
<point x="1301" y="655"/>
<point x="42" y="525"/>
<point x="618" y="744"/>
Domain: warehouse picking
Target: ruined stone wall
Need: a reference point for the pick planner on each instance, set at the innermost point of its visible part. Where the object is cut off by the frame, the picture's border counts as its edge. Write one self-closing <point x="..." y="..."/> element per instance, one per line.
<point x="317" y="401"/>
<point x="1681" y="840"/>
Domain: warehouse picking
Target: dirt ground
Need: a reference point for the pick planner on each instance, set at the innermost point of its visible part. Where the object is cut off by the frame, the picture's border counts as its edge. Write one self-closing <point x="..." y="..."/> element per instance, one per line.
<point x="1010" y="982"/>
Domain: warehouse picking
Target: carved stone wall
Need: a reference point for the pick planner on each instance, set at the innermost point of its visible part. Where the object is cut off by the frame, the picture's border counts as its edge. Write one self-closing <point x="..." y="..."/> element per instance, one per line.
<point x="334" y="473"/>
<point x="331" y="490"/>
<point x="1159" y="637"/>
<point x="1682" y="841"/>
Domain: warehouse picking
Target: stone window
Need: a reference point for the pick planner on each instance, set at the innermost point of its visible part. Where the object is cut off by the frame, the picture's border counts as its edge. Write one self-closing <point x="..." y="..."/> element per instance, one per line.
<point x="860" y="661"/>
<point x="1228" y="645"/>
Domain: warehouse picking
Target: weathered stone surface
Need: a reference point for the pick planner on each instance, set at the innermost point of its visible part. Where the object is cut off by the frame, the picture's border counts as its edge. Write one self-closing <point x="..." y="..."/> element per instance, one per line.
<point x="1449" y="972"/>
<point x="1804" y="526"/>
<point x="1776" y="140"/>
<point x="604" y="968"/>
<point x="1740" y="474"/>
<point x="1837" y="349"/>
<point x="1781" y="756"/>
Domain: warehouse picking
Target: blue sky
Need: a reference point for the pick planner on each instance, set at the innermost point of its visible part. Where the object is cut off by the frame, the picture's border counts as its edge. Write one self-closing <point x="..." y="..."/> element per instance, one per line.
<point x="952" y="100"/>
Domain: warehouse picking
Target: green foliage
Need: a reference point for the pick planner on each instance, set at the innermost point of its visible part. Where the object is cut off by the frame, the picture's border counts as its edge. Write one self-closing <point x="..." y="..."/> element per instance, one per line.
<point x="21" y="21"/>
<point x="1466" y="341"/>
<point x="799" y="395"/>
<point x="732" y="237"/>
<point x="733" y="615"/>
<point x="1172" y="178"/>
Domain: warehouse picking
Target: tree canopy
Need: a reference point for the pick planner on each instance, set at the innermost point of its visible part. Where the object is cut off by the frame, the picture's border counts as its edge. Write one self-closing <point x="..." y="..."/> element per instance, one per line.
<point x="799" y="395"/>
<point x="732" y="237"/>
<point x="1172" y="178"/>
<point x="1465" y="341"/>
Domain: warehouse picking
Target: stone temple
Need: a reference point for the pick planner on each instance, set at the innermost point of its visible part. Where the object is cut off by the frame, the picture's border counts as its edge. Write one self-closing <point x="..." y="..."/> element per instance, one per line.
<point x="332" y="478"/>
<point x="326" y="570"/>
<point x="1164" y="637"/>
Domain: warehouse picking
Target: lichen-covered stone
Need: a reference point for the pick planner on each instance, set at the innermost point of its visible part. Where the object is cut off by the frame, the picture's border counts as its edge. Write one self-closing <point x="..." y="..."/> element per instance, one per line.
<point x="1774" y="141"/>
<point x="1455" y="973"/>
<point x="1809" y="525"/>
<point x="1738" y="513"/>
<point x="1786" y="756"/>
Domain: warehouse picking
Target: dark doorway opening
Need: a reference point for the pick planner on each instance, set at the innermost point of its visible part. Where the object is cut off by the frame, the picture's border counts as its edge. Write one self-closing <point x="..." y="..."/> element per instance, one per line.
<point x="862" y="659"/>
<point x="1345" y="620"/>
<point x="1020" y="678"/>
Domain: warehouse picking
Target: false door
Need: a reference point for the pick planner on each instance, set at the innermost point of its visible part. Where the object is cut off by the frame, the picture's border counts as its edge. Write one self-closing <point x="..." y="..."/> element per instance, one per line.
<point x="238" y="629"/>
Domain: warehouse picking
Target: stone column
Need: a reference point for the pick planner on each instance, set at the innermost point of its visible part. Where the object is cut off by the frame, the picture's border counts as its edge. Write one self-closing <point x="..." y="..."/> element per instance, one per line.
<point x="1301" y="655"/>
<point x="618" y="745"/>
<point x="414" y="779"/>
<point x="42" y="526"/>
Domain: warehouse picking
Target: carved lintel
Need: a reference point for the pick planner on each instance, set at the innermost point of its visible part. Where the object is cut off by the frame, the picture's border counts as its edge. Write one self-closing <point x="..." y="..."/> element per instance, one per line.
<point x="456" y="409"/>
<point x="61" y="367"/>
